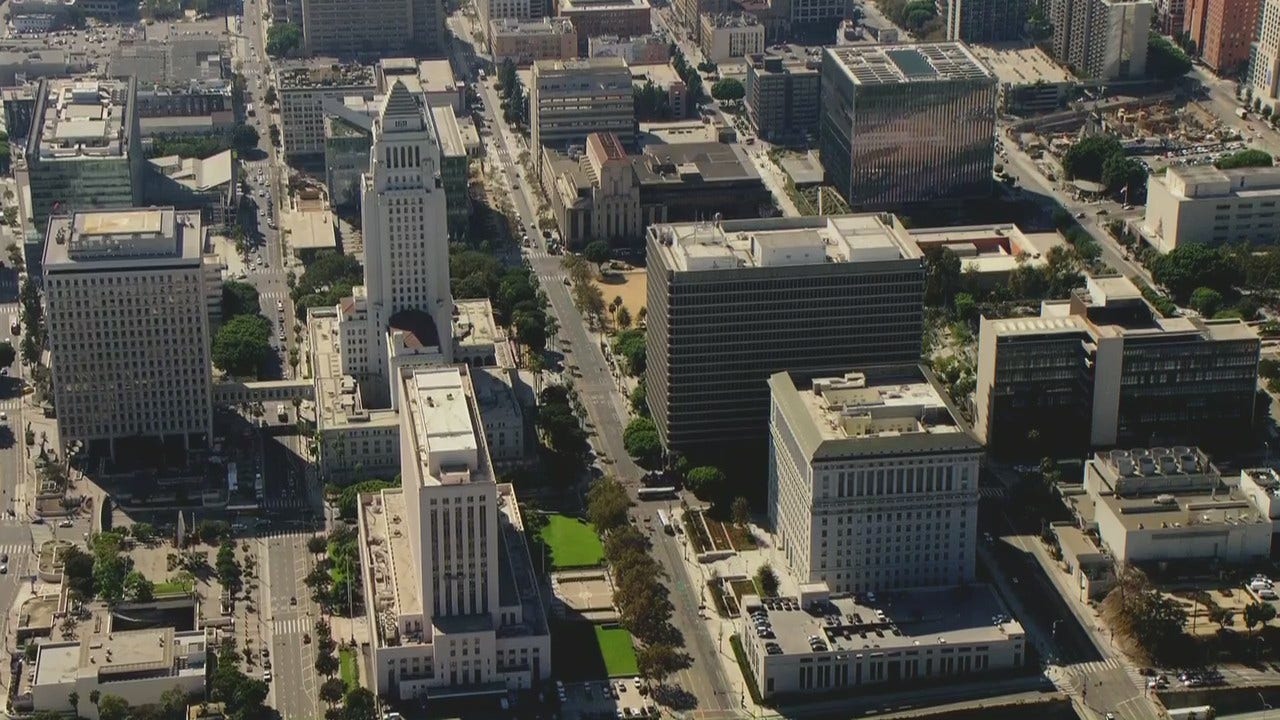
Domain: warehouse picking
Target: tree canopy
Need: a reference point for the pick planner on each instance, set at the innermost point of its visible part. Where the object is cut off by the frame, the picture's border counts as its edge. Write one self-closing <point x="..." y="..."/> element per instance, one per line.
<point x="242" y="345"/>
<point x="728" y="89"/>
<point x="1249" y="157"/>
<point x="7" y="354"/>
<point x="1165" y="61"/>
<point x="942" y="276"/>
<point x="629" y="345"/>
<point x="707" y="482"/>
<point x="283" y="38"/>
<point x="641" y="441"/>
<point x="328" y="279"/>
<point x="1087" y="158"/>
<point x="1192" y="266"/>
<point x="239" y="298"/>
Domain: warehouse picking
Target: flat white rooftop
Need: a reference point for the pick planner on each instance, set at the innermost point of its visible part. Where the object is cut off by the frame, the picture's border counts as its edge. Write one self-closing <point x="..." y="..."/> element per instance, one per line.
<point x="441" y="427"/>
<point x="853" y="407"/>
<point x="781" y="242"/>
<point x="908" y="63"/>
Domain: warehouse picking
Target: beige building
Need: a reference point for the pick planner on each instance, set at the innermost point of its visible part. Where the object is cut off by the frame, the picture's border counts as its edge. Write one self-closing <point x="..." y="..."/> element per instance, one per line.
<point x="490" y="10"/>
<point x="1264" y="68"/>
<point x="643" y="50"/>
<point x="596" y="197"/>
<point x="991" y="252"/>
<point x="730" y="35"/>
<point x="1202" y="204"/>
<point x="846" y="454"/>
<point x="453" y="599"/>
<point x="525" y="41"/>
<point x="570" y="99"/>
<point x="136" y="665"/>
<point x="1102" y="39"/>
<point x="128" y="329"/>
<point x="304" y="88"/>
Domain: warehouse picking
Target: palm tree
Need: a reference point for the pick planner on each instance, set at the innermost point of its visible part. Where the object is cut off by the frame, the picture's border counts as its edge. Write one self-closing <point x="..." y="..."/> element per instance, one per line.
<point x="73" y="699"/>
<point x="94" y="697"/>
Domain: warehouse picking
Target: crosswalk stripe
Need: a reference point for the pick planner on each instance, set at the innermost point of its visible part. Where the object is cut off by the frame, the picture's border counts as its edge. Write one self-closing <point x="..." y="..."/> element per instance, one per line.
<point x="290" y="626"/>
<point x="994" y="493"/>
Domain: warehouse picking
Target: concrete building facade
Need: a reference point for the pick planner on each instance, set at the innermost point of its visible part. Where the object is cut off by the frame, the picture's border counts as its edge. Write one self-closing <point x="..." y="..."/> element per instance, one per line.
<point x="1204" y="205"/>
<point x="304" y="88"/>
<point x="730" y="35"/>
<point x="904" y="124"/>
<point x="1104" y="368"/>
<point x="732" y="302"/>
<point x="625" y="18"/>
<point x="1264" y="66"/>
<point x="1102" y="39"/>
<point x="368" y="29"/>
<point x="873" y="481"/>
<point x="783" y="94"/>
<point x="525" y="41"/>
<point x="570" y="99"/>
<point x="128" y="329"/>
<point x="454" y="604"/>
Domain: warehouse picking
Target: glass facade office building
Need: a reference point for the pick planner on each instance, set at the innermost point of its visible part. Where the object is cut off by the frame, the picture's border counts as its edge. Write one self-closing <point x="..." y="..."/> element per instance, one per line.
<point x="903" y="124"/>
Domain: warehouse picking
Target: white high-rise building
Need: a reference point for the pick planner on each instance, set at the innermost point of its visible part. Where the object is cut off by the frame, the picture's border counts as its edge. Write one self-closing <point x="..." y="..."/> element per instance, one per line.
<point x="873" y="481"/>
<point x="453" y="599"/>
<point x="1264" y="70"/>
<point x="128" y="330"/>
<point x="407" y="304"/>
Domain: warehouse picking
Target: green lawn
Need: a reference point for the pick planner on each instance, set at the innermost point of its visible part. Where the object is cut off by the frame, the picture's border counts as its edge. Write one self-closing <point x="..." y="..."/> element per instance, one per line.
<point x="171" y="587"/>
<point x="571" y="543"/>
<point x="597" y="652"/>
<point x="347" y="667"/>
<point x="618" y="651"/>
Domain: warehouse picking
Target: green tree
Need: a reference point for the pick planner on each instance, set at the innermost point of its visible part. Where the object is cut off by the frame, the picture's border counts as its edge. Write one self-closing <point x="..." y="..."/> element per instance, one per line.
<point x="1193" y="265"/>
<point x="242" y="345"/>
<point x="239" y="298"/>
<point x="360" y="704"/>
<point x="282" y="39"/>
<point x="607" y="505"/>
<point x="7" y="354"/>
<point x="73" y="699"/>
<point x="623" y="317"/>
<point x="966" y="307"/>
<point x="144" y="532"/>
<point x="640" y="399"/>
<point x="1249" y="157"/>
<point x="728" y="89"/>
<point x="113" y="707"/>
<point x="556" y="422"/>
<point x="659" y="661"/>
<point x="1120" y="171"/>
<point x="331" y="690"/>
<point x="767" y="580"/>
<point x="244" y="138"/>
<point x="326" y="664"/>
<point x="596" y="251"/>
<point x="138" y="588"/>
<point x="1086" y="159"/>
<point x="741" y="511"/>
<point x="1165" y="61"/>
<point x="1206" y="301"/>
<point x="707" y="482"/>
<point x="640" y="438"/>
<point x="1258" y="613"/>
<point x="942" y="276"/>
<point x="1220" y="616"/>
<point x="629" y="345"/>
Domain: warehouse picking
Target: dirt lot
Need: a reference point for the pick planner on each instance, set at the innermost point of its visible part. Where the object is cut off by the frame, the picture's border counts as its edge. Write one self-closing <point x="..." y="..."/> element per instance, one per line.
<point x="630" y="286"/>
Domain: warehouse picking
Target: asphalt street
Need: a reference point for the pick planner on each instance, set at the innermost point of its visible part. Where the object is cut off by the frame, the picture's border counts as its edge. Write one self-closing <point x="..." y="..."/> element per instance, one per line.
<point x="288" y="613"/>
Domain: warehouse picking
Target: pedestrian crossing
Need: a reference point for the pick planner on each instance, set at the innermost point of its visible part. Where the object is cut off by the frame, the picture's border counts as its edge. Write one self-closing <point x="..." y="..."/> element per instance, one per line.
<point x="291" y="626"/>
<point x="992" y="493"/>
<point x="1078" y="676"/>
<point x="284" y="503"/>
<point x="14" y="551"/>
<point x="10" y="403"/>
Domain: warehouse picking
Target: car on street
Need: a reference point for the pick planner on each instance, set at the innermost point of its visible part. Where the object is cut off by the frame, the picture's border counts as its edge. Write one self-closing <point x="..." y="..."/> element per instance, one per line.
<point x="66" y="524"/>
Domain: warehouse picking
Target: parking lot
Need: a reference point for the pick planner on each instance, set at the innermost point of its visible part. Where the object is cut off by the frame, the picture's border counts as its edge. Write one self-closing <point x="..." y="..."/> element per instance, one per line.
<point x="599" y="700"/>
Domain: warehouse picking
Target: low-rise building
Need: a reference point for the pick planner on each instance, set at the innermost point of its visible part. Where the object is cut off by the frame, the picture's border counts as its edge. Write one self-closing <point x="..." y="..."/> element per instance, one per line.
<point x="664" y="76"/>
<point x="828" y="642"/>
<point x="17" y="67"/>
<point x="990" y="252"/>
<point x="832" y="502"/>
<point x="625" y="18"/>
<point x="1091" y="568"/>
<point x="1104" y="368"/>
<point x="136" y="665"/>
<point x="525" y="41"/>
<point x="1030" y="81"/>
<point x="643" y="50"/>
<point x="783" y="94"/>
<point x="595" y="197"/>
<point x="1262" y="487"/>
<point x="205" y="184"/>
<point x="730" y="35"/>
<point x="439" y="86"/>
<point x="1202" y="204"/>
<point x="432" y="635"/>
<point x="688" y="181"/>
<point x="1170" y="504"/>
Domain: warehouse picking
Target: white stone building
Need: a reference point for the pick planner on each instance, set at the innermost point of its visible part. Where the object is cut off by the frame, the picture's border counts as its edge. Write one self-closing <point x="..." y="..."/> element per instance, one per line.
<point x="128" y="328"/>
<point x="731" y="35"/>
<point x="453" y="601"/>
<point x="873" y="481"/>
<point x="1204" y="205"/>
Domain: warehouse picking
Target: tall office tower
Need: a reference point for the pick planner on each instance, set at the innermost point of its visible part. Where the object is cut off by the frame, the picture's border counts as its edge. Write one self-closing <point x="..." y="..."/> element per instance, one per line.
<point x="904" y="124"/>
<point x="782" y="94"/>
<point x="1102" y="39"/>
<point x="986" y="21"/>
<point x="570" y="99"/>
<point x="406" y="240"/>
<point x="1223" y="32"/>
<point x="371" y="28"/>
<point x="84" y="150"/>
<point x="454" y="600"/>
<point x="128" y="331"/>
<point x="304" y="87"/>
<point x="1103" y="368"/>
<point x="1264" y="68"/>
<point x="730" y="303"/>
<point x="873" y="480"/>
